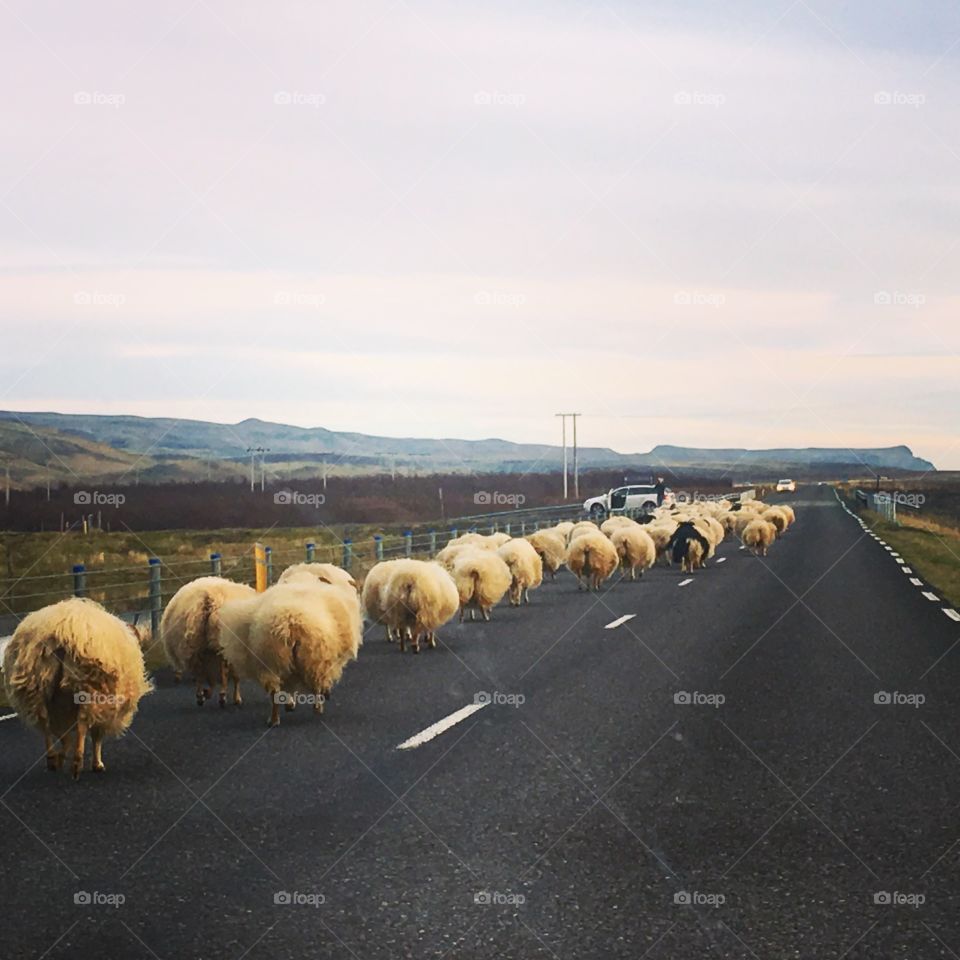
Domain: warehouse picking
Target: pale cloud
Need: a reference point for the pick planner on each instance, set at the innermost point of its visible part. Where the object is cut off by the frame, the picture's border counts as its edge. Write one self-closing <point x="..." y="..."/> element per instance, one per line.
<point x="420" y="219"/>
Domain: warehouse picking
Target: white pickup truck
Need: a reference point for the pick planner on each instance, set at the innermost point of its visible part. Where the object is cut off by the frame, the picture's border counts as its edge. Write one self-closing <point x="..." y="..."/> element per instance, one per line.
<point x="633" y="497"/>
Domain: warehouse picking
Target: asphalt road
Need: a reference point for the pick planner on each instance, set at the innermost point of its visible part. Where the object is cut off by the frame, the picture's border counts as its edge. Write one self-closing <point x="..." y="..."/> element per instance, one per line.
<point x="565" y="819"/>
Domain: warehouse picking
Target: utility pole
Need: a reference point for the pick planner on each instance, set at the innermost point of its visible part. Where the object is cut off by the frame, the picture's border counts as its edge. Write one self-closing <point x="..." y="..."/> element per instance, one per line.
<point x="263" y="466"/>
<point x="253" y="451"/>
<point x="576" y="465"/>
<point x="563" y="420"/>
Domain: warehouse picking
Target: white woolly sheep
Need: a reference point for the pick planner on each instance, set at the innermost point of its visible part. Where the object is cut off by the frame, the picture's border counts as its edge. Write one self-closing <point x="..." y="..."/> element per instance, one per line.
<point x="417" y="599"/>
<point x="190" y="633"/>
<point x="660" y="532"/>
<point x="758" y="535"/>
<point x="583" y="526"/>
<point x="294" y="639"/>
<point x="324" y="572"/>
<point x="526" y="569"/>
<point x="777" y="517"/>
<point x="788" y="510"/>
<point x="592" y="558"/>
<point x="615" y="523"/>
<point x="551" y="547"/>
<point x="563" y="528"/>
<point x="636" y="549"/>
<point x="482" y="578"/>
<point x="71" y="669"/>
<point x="371" y="597"/>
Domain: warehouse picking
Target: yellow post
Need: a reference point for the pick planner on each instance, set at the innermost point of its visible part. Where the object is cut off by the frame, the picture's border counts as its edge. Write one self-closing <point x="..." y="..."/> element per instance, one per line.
<point x="260" y="566"/>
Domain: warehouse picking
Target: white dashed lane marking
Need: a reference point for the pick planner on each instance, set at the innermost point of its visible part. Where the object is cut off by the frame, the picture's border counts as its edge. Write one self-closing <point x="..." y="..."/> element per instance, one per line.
<point x="916" y="582"/>
<point x="931" y="596"/>
<point x="435" y="729"/>
<point x="683" y="583"/>
<point x="8" y="716"/>
<point x="722" y="560"/>
<point x="619" y="620"/>
<point x="906" y="569"/>
<point x="952" y="614"/>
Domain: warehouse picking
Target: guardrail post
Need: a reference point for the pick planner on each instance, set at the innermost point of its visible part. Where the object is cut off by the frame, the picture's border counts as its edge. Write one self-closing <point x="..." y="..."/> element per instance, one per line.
<point x="506" y="528"/>
<point x="215" y="564"/>
<point x="433" y="542"/>
<point x="378" y="546"/>
<point x="311" y="551"/>
<point x="79" y="580"/>
<point x="268" y="556"/>
<point x="408" y="542"/>
<point x="523" y="528"/>
<point x="347" y="554"/>
<point x="453" y="534"/>
<point x="156" y="597"/>
<point x="493" y="528"/>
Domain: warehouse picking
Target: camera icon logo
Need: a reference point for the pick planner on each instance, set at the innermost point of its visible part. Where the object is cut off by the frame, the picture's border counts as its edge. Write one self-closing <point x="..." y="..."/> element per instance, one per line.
<point x="83" y="696"/>
<point x="282" y="898"/>
<point x="82" y="898"/>
<point x="283" y="698"/>
<point x="483" y="898"/>
<point x="482" y="697"/>
<point x="682" y="898"/>
<point x="882" y="897"/>
<point x="284" y="497"/>
<point x="82" y="497"/>
<point x="882" y="697"/>
<point x="681" y="696"/>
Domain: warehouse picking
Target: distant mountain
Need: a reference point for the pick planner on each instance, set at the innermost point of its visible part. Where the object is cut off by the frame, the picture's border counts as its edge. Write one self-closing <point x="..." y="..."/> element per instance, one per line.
<point x="169" y="449"/>
<point x="899" y="458"/>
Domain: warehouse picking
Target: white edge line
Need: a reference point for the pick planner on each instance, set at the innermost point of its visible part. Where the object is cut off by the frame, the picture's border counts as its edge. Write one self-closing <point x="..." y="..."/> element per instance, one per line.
<point x="932" y="597"/>
<point x="435" y="729"/>
<point x="916" y="582"/>
<point x="619" y="620"/>
<point x="8" y="716"/>
<point x="907" y="569"/>
<point x="952" y="614"/>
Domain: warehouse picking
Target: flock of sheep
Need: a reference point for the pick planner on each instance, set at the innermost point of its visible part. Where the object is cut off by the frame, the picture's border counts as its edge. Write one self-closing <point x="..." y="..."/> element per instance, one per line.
<point x="73" y="669"/>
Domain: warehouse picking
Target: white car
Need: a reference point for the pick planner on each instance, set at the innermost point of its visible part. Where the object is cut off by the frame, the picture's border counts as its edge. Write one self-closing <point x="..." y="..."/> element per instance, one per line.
<point x="641" y="497"/>
<point x="786" y="486"/>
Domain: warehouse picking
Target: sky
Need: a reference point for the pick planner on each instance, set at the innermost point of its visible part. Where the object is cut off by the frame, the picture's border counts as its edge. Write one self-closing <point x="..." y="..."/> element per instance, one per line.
<point x="694" y="223"/>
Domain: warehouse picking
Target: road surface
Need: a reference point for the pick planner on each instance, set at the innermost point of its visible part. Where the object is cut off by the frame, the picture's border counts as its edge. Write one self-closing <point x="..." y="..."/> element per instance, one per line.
<point x="712" y="777"/>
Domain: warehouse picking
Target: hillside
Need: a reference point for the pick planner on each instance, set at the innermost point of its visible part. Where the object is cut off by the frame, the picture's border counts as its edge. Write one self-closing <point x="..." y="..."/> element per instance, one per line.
<point x="168" y="450"/>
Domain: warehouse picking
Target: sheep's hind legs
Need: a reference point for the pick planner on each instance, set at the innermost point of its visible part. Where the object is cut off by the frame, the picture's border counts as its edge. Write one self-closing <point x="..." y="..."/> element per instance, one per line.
<point x="96" y="735"/>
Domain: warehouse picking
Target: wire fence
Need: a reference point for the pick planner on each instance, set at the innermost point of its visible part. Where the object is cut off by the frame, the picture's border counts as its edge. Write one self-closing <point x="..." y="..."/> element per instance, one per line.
<point x="145" y="588"/>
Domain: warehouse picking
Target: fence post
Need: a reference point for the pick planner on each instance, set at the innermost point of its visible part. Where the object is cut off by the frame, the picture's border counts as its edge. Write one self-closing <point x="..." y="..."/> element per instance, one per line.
<point x="506" y="528"/>
<point x="433" y="542"/>
<point x="79" y="580"/>
<point x="453" y="534"/>
<point x="347" y="554"/>
<point x="408" y="542"/>
<point x="156" y="598"/>
<point x="523" y="528"/>
<point x="215" y="564"/>
<point x="311" y="551"/>
<point x="268" y="558"/>
<point x="259" y="567"/>
<point x="378" y="546"/>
